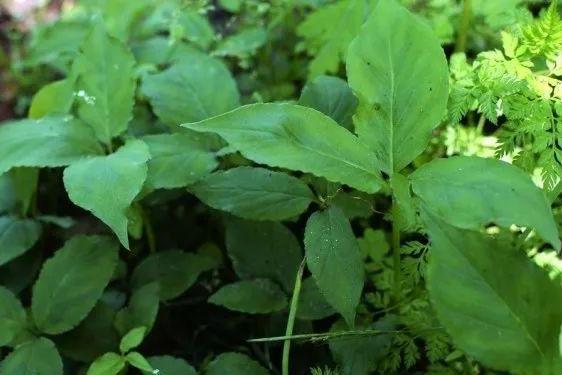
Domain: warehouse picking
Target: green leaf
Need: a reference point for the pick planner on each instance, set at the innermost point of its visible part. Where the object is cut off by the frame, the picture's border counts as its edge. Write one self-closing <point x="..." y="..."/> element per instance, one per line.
<point x="56" y="44"/>
<point x="107" y="364"/>
<point x="55" y="98"/>
<point x="235" y="364"/>
<point x="194" y="89"/>
<point x="232" y="6"/>
<point x="469" y="192"/>
<point x="132" y="339"/>
<point x="399" y="71"/>
<point x="312" y="305"/>
<point x="107" y="185"/>
<point x="22" y="271"/>
<point x="260" y="296"/>
<point x="354" y="204"/>
<point x="177" y="160"/>
<point x="120" y="15"/>
<point x="243" y="44"/>
<point x="71" y="282"/>
<point x="36" y="357"/>
<point x="137" y="360"/>
<point x="174" y="270"/>
<point x="25" y="184"/>
<point x="93" y="337"/>
<point x="297" y="138"/>
<point x="13" y="319"/>
<point x="359" y="355"/>
<point x="263" y="250"/>
<point x="495" y="302"/>
<point x="8" y="195"/>
<point x="16" y="237"/>
<point x="105" y="85"/>
<point x="168" y="365"/>
<point x="193" y="26"/>
<point x="331" y="96"/>
<point x="141" y="311"/>
<point x="48" y="142"/>
<point x="334" y="259"/>
<point x="328" y="31"/>
<point x="254" y="193"/>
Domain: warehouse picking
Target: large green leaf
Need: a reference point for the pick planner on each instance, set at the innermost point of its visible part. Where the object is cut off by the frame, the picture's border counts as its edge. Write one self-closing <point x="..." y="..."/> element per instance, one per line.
<point x="397" y="68"/>
<point x="93" y="337"/>
<point x="334" y="259"/>
<point x="328" y="31"/>
<point x="498" y="306"/>
<point x="235" y="364"/>
<point x="242" y="45"/>
<point x="141" y="311"/>
<point x="36" y="357"/>
<point x="360" y="355"/>
<point x="263" y="249"/>
<point x="25" y="185"/>
<point x="16" y="237"/>
<point x="13" y="318"/>
<point x="107" y="185"/>
<point x="312" y="304"/>
<point x="168" y="365"/>
<point x="105" y="85"/>
<point x="54" y="98"/>
<point x="254" y="193"/>
<point x="174" y="270"/>
<point x="47" y="142"/>
<point x="56" y="43"/>
<point x="177" y="160"/>
<point x="71" y="283"/>
<point x="194" y="89"/>
<point x="298" y="138"/>
<point x="470" y="192"/>
<point x="331" y="96"/>
<point x="8" y="194"/>
<point x="132" y="339"/>
<point x="107" y="364"/>
<point x="260" y="296"/>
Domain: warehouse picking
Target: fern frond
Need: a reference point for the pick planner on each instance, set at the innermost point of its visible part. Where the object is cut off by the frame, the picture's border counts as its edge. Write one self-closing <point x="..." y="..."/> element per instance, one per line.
<point x="544" y="36"/>
<point x="325" y="371"/>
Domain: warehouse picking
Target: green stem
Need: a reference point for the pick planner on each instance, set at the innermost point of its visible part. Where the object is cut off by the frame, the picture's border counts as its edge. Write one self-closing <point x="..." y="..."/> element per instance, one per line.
<point x="396" y="253"/>
<point x="336" y="335"/>
<point x="480" y="125"/>
<point x="292" y="316"/>
<point x="464" y="26"/>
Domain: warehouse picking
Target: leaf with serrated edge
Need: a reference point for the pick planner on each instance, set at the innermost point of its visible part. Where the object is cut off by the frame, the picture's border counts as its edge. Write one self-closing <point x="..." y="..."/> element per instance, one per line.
<point x="334" y="259"/>
<point x="297" y="138"/>
<point x="107" y="185"/>
<point x="498" y="306"/>
<point x="71" y="282"/>
<point x="470" y="192"/>
<point x="254" y="193"/>
<point x="398" y="69"/>
<point x="47" y="142"/>
<point x="259" y="296"/>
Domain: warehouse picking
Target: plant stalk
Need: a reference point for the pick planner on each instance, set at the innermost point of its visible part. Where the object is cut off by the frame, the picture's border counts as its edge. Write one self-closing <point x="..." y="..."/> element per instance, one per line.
<point x="318" y="337"/>
<point x="397" y="266"/>
<point x="464" y="26"/>
<point x="292" y="316"/>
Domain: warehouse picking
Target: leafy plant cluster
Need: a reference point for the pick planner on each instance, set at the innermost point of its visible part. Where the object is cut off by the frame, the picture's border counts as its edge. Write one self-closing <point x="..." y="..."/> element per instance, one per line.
<point x="191" y="193"/>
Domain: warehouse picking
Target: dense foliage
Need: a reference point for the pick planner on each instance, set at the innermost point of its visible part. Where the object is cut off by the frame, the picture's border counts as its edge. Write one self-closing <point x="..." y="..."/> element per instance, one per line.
<point x="250" y="187"/>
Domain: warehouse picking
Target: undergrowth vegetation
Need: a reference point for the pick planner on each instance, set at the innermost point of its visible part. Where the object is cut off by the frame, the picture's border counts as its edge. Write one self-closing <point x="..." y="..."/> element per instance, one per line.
<point x="316" y="187"/>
